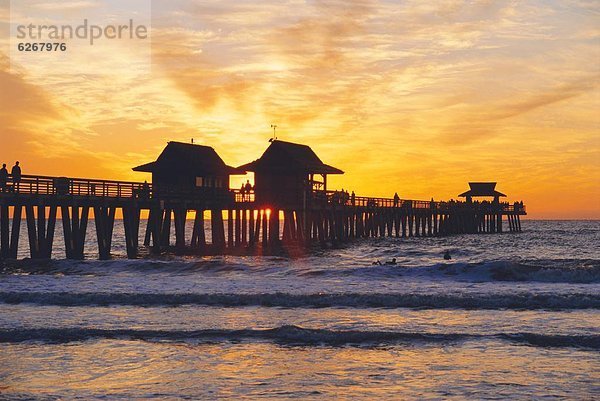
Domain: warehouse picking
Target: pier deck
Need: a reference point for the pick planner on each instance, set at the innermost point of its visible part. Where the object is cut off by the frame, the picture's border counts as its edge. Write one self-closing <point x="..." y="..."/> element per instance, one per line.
<point x="237" y="222"/>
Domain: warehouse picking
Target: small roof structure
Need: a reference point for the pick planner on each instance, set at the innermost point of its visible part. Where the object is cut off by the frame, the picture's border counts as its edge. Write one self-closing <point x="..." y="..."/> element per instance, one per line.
<point x="482" y="189"/>
<point x="288" y="157"/>
<point x="179" y="157"/>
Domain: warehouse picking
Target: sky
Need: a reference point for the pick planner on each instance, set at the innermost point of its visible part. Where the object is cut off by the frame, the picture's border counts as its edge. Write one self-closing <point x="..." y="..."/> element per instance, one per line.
<point x="412" y="97"/>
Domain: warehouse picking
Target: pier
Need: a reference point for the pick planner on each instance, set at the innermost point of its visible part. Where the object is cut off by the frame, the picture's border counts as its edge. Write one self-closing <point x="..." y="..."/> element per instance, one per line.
<point x="288" y="206"/>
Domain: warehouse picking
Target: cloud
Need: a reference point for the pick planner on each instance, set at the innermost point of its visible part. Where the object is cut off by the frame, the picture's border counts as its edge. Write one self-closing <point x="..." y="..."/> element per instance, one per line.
<point x="20" y="100"/>
<point x="481" y="121"/>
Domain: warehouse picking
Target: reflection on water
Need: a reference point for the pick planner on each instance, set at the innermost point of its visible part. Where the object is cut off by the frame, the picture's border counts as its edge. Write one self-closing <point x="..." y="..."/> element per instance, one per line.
<point x="130" y="369"/>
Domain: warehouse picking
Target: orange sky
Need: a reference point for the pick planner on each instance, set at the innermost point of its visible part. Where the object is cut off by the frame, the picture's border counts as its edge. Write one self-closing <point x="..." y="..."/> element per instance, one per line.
<point x="412" y="96"/>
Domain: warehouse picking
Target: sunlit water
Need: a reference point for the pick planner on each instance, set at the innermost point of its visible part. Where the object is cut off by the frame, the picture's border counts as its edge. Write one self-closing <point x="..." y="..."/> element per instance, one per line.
<point x="511" y="316"/>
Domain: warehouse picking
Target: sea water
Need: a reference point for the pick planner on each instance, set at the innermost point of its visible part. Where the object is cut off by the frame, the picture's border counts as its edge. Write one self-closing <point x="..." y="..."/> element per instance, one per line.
<point x="510" y="316"/>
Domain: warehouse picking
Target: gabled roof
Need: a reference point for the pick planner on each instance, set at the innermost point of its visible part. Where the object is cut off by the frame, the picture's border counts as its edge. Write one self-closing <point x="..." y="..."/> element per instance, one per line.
<point x="482" y="189"/>
<point x="289" y="157"/>
<point x="179" y="157"/>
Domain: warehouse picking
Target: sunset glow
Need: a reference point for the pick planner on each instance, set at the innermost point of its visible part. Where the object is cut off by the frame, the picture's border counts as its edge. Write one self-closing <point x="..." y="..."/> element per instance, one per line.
<point x="412" y="97"/>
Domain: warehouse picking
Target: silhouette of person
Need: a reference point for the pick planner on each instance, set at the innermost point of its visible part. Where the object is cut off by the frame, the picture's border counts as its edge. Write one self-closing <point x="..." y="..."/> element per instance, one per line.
<point x="248" y="187"/>
<point x="353" y="198"/>
<point x="447" y="255"/>
<point x="391" y="262"/>
<point x="243" y="192"/>
<point x="396" y="199"/>
<point x="16" y="176"/>
<point x="3" y="178"/>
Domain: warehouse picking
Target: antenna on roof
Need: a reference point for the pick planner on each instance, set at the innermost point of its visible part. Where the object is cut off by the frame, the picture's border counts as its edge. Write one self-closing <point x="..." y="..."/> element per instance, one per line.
<point x="274" y="137"/>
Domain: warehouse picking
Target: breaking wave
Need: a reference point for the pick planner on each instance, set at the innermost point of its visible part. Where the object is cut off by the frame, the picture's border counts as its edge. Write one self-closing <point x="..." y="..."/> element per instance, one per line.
<point x="292" y="335"/>
<point x="548" y="271"/>
<point x="575" y="271"/>
<point x="519" y="301"/>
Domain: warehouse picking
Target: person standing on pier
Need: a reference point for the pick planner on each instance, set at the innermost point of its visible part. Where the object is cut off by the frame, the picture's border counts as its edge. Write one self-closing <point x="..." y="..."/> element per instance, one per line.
<point x="243" y="192"/>
<point x="248" y="187"/>
<point x="396" y="199"/>
<point x="16" y="176"/>
<point x="3" y="178"/>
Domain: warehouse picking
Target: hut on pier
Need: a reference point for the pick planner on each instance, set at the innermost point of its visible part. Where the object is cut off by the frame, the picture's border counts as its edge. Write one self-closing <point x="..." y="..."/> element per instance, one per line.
<point x="289" y="175"/>
<point x="482" y="189"/>
<point x="184" y="166"/>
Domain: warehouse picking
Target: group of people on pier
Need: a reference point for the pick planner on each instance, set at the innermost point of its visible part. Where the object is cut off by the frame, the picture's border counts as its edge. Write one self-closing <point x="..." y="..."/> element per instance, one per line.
<point x="15" y="174"/>
<point x="246" y="190"/>
<point x="341" y="197"/>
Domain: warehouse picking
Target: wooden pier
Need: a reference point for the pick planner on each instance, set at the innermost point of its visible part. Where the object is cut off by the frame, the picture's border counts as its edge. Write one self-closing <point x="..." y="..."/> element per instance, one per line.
<point x="224" y="220"/>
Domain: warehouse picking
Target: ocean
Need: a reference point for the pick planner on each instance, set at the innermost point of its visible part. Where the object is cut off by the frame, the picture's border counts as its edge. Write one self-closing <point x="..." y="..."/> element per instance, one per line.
<point x="510" y="316"/>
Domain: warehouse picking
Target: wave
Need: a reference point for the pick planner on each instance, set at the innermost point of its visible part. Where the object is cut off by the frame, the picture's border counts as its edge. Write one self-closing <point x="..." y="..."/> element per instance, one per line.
<point x="575" y="271"/>
<point x="164" y="264"/>
<point x="518" y="301"/>
<point x="549" y="271"/>
<point x="292" y="335"/>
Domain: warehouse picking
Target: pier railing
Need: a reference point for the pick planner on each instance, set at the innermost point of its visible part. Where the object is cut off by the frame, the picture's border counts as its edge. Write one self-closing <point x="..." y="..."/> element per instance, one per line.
<point x="241" y="197"/>
<point x="344" y="199"/>
<point x="340" y="198"/>
<point x="44" y="185"/>
<point x="84" y="187"/>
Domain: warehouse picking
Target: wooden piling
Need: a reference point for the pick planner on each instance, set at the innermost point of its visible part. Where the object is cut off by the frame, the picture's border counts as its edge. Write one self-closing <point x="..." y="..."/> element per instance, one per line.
<point x="180" y="217"/>
<point x="217" y="229"/>
<point x="104" y="218"/>
<point x="131" y="225"/>
<point x="230" y="228"/>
